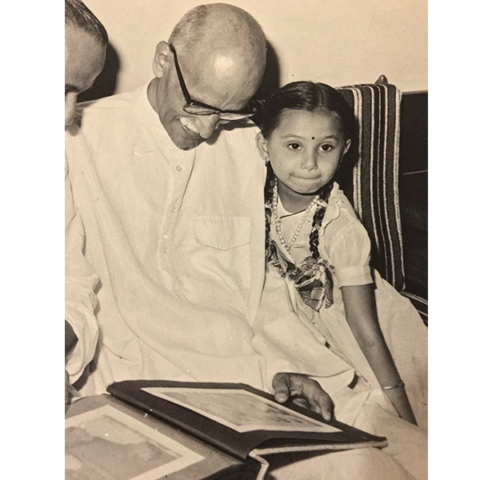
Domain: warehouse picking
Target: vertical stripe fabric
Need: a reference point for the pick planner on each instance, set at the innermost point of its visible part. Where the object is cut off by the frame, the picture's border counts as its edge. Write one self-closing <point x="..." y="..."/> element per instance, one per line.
<point x="373" y="188"/>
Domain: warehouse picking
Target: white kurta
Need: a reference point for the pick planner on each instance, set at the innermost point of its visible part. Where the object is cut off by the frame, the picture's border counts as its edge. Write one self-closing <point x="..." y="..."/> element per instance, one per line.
<point x="169" y="232"/>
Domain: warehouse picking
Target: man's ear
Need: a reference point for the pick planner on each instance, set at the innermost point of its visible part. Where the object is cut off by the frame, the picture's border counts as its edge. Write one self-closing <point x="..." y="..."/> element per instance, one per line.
<point x="160" y="60"/>
<point x="262" y="146"/>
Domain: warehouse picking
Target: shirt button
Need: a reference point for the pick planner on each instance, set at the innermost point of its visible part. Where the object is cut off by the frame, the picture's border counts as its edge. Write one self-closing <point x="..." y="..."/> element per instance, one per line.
<point x="164" y="250"/>
<point x="178" y="168"/>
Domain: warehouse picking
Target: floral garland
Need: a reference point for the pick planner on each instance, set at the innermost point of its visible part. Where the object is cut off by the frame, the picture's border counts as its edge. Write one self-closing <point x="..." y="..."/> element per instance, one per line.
<point x="313" y="278"/>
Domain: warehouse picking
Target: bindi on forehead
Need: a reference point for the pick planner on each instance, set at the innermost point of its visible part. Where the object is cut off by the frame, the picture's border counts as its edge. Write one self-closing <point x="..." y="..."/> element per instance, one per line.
<point x="313" y="138"/>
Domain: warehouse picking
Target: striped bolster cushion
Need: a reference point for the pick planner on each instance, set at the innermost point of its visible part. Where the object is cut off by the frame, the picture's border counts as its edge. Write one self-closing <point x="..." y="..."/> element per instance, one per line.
<point x="420" y="304"/>
<point x="373" y="188"/>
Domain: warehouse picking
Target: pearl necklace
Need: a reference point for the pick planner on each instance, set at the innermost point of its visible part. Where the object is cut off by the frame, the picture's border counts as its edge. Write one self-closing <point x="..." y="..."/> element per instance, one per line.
<point x="278" y="222"/>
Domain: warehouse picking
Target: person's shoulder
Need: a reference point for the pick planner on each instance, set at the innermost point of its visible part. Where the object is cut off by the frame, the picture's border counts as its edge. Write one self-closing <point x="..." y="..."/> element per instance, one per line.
<point x="342" y="222"/>
<point x="239" y="137"/>
<point x="110" y="116"/>
<point x="338" y="199"/>
<point x="106" y="105"/>
<point x="340" y="214"/>
<point x="238" y="140"/>
<point x="241" y="130"/>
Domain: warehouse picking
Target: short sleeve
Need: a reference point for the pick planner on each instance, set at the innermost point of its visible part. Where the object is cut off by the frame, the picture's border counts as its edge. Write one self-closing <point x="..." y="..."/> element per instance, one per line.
<point x="348" y="247"/>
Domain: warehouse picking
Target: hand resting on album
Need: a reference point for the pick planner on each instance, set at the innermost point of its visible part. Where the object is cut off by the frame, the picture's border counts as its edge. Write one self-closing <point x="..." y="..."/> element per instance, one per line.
<point x="303" y="391"/>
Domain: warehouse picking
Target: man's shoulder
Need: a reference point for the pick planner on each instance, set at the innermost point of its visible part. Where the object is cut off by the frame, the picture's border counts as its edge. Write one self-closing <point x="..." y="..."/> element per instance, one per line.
<point x="107" y="105"/>
<point x="108" y="117"/>
<point x="242" y="132"/>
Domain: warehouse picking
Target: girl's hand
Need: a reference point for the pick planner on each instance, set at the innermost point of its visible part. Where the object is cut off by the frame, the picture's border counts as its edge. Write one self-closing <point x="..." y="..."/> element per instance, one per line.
<point x="398" y="398"/>
<point x="303" y="391"/>
<point x="361" y="315"/>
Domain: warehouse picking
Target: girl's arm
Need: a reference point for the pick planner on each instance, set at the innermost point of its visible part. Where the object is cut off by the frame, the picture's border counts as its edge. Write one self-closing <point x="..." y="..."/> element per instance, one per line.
<point x="361" y="314"/>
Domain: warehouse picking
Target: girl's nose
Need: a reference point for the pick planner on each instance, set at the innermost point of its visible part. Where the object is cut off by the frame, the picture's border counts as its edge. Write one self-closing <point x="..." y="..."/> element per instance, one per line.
<point x="206" y="125"/>
<point x="309" y="161"/>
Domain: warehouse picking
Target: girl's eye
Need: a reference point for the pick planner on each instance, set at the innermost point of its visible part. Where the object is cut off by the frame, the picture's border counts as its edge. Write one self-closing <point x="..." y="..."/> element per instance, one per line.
<point x="294" y="146"/>
<point x="326" y="148"/>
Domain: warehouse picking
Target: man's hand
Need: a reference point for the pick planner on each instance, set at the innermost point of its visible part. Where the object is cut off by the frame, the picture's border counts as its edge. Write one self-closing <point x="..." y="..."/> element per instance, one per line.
<point x="70" y="338"/>
<point x="303" y="391"/>
<point x="68" y="391"/>
<point x="70" y="341"/>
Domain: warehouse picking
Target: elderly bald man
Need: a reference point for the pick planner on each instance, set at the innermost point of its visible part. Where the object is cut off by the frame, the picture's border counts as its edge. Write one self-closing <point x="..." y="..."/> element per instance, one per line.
<point x="170" y="188"/>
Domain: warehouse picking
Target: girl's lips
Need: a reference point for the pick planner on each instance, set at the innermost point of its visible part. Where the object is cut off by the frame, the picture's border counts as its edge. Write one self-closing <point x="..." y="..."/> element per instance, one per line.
<point x="309" y="179"/>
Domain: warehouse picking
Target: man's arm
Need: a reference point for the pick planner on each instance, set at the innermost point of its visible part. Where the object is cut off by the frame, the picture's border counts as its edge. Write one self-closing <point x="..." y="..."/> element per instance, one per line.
<point x="81" y="329"/>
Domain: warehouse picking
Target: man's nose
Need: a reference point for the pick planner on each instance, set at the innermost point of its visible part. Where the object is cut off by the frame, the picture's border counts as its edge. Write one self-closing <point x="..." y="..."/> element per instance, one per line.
<point x="70" y="105"/>
<point x="206" y="125"/>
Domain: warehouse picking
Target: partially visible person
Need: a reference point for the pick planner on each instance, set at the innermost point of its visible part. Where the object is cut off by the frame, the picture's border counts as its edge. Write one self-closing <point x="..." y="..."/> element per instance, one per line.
<point x="317" y="255"/>
<point x="85" y="46"/>
<point x="169" y="184"/>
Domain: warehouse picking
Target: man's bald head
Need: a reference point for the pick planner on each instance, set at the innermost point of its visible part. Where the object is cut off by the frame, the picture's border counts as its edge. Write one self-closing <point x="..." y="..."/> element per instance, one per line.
<point x="220" y="27"/>
<point x="222" y="54"/>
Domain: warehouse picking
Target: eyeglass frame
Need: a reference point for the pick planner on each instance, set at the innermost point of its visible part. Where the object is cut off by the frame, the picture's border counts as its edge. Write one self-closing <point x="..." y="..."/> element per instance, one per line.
<point x="195" y="103"/>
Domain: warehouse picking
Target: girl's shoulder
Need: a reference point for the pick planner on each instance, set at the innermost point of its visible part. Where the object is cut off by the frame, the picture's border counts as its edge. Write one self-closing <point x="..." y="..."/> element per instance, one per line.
<point x="339" y="208"/>
<point x="343" y="237"/>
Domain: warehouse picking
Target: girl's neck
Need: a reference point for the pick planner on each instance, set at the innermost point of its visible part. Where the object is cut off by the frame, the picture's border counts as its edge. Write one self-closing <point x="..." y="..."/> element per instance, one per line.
<point x="292" y="201"/>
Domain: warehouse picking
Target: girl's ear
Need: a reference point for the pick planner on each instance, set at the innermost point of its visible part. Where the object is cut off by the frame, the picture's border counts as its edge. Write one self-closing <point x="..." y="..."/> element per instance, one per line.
<point x="262" y="146"/>
<point x="347" y="147"/>
<point x="160" y="60"/>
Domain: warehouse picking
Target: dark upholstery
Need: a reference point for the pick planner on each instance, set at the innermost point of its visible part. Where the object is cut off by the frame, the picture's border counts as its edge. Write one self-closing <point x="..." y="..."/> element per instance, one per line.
<point x="370" y="178"/>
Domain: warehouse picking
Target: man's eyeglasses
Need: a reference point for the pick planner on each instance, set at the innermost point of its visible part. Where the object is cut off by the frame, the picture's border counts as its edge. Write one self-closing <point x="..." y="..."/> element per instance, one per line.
<point x="194" y="107"/>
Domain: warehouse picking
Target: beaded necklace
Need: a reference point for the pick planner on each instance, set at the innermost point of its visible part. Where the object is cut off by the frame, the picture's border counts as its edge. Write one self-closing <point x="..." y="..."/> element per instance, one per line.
<point x="313" y="277"/>
<point x="278" y="221"/>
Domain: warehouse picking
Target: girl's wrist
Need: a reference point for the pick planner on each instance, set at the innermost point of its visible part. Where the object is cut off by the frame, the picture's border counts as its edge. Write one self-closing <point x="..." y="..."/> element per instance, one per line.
<point x="395" y="386"/>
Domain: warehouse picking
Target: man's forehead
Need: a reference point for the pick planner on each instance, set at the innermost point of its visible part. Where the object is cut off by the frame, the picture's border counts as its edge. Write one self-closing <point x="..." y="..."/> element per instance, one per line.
<point x="79" y="42"/>
<point x="84" y="58"/>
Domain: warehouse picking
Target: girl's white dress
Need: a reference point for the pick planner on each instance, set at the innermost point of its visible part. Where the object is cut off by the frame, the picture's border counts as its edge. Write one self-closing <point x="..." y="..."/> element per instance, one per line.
<point x="323" y="335"/>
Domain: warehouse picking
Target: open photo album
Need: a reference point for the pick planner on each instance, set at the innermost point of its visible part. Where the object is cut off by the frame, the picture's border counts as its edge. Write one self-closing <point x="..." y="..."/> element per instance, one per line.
<point x="237" y="419"/>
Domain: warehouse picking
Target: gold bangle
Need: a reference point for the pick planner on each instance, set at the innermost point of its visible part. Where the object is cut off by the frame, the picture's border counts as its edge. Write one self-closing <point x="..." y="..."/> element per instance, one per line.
<point x="400" y="384"/>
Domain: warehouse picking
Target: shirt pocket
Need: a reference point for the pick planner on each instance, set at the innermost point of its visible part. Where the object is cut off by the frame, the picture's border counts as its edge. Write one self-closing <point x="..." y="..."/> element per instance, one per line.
<point x="222" y="232"/>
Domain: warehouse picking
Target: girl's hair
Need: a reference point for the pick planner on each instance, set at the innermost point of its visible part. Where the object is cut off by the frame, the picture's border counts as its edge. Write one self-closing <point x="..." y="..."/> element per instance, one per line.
<point x="310" y="97"/>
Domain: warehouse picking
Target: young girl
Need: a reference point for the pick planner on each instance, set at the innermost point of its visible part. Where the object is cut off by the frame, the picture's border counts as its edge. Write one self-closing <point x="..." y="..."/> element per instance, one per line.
<point x="316" y="243"/>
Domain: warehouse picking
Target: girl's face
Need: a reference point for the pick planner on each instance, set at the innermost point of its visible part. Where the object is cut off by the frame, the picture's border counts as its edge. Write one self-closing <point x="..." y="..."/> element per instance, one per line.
<point x="305" y="150"/>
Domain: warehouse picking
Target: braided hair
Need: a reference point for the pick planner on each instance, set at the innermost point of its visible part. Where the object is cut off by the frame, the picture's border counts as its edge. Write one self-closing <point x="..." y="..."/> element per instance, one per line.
<point x="310" y="97"/>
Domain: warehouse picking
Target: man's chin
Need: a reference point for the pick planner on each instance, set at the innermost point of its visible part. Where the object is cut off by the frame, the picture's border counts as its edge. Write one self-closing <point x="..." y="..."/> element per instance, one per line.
<point x="188" y="144"/>
<point x="184" y="141"/>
